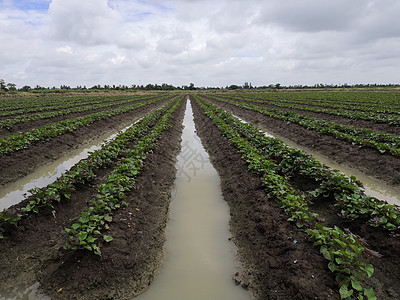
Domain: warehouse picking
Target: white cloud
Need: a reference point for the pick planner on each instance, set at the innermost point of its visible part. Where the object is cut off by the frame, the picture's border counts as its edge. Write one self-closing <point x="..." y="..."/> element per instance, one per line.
<point x="66" y="49"/>
<point x="84" y="22"/>
<point x="210" y="43"/>
<point x="175" y="42"/>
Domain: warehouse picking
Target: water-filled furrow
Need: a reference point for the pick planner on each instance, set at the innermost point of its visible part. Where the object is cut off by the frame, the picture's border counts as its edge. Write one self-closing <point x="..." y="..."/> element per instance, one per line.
<point x="373" y="187"/>
<point x="43" y="176"/>
<point x="199" y="257"/>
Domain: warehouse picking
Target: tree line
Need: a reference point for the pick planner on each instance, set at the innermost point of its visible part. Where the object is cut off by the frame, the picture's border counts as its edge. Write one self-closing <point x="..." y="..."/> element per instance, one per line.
<point x="11" y="87"/>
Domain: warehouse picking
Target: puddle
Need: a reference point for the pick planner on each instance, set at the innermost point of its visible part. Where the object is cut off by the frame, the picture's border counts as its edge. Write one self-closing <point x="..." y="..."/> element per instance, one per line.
<point x="372" y="187"/>
<point x="18" y="190"/>
<point x="24" y="292"/>
<point x="200" y="260"/>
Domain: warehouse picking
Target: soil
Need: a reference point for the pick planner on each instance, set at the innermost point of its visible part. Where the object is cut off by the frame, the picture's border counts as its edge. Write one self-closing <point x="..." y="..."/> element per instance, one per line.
<point x="371" y="162"/>
<point x="279" y="262"/>
<point x="378" y="127"/>
<point x="259" y="232"/>
<point x="25" y="126"/>
<point x="20" y="163"/>
<point x="128" y="264"/>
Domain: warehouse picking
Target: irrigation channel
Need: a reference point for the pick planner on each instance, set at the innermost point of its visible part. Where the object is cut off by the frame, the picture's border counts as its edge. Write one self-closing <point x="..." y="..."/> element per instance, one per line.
<point x="16" y="192"/>
<point x="373" y="187"/>
<point x="199" y="256"/>
<point x="200" y="259"/>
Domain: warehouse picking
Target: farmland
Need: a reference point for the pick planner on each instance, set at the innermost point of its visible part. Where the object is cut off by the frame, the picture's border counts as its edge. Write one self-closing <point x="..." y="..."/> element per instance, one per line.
<point x="302" y="230"/>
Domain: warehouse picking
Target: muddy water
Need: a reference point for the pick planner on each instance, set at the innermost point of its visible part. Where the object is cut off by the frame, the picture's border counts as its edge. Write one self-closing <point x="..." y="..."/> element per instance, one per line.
<point x="24" y="292"/>
<point x="372" y="186"/>
<point x="14" y="193"/>
<point x="200" y="260"/>
<point x="17" y="191"/>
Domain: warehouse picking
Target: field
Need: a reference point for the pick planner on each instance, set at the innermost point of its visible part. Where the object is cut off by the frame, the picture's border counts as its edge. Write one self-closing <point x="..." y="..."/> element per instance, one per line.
<point x="302" y="230"/>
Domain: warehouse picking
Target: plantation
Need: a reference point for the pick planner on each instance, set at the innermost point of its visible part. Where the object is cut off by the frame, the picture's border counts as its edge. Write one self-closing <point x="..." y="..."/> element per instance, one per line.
<point x="302" y="230"/>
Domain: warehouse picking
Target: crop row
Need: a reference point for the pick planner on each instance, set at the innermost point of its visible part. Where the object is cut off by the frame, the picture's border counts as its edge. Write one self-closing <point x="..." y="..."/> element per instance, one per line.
<point x="347" y="192"/>
<point x="19" y="105"/>
<point x="9" y="123"/>
<point x="342" y="249"/>
<point x="86" y="232"/>
<point x="371" y="116"/>
<point x="116" y="150"/>
<point x="380" y="102"/>
<point x="382" y="142"/>
<point x="23" y="140"/>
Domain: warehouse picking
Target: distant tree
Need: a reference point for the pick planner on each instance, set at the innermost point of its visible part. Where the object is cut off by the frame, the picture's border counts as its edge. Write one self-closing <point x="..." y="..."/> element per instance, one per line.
<point x="26" y="88"/>
<point x="149" y="87"/>
<point x="233" y="87"/>
<point x="11" y="87"/>
<point x="2" y="84"/>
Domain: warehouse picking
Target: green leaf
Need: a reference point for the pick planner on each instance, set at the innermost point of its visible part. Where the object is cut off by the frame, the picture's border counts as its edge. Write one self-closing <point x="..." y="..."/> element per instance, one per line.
<point x="328" y="255"/>
<point x="108" y="218"/>
<point x="332" y="267"/>
<point x="82" y="236"/>
<point x="370" y="270"/>
<point x="96" y="250"/>
<point x="75" y="226"/>
<point x="369" y="293"/>
<point x="356" y="285"/>
<point x="91" y="239"/>
<point x="344" y="292"/>
<point x="342" y="244"/>
<point x="83" y="219"/>
<point x="107" y="238"/>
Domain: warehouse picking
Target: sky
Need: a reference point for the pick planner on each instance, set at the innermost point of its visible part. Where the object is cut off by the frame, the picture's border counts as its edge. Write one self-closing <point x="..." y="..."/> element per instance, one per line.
<point x="211" y="43"/>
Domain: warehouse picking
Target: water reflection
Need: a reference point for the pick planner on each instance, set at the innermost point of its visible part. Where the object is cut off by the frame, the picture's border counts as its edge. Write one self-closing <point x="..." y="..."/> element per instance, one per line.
<point x="372" y="187"/>
<point x="200" y="260"/>
<point x="17" y="191"/>
<point x="24" y="292"/>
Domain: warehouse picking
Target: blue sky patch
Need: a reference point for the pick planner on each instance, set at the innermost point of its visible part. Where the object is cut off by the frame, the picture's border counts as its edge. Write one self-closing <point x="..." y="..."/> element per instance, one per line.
<point x="32" y="5"/>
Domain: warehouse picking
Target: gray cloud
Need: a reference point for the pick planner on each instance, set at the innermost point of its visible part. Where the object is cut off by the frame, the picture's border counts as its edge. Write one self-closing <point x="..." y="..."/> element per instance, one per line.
<point x="311" y="15"/>
<point x="84" y="22"/>
<point x="176" y="42"/>
<point x="210" y="43"/>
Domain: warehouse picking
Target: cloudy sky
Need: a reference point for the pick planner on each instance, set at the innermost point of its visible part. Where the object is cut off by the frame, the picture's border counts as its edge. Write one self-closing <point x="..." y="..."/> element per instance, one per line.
<point x="207" y="42"/>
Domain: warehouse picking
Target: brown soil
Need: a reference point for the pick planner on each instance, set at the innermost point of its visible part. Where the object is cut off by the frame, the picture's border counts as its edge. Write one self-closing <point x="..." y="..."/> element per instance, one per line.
<point x="279" y="262"/>
<point x="20" y="163"/>
<point x="379" y="127"/>
<point x="256" y="211"/>
<point x="22" y="127"/>
<point x="384" y="167"/>
<point x="386" y="277"/>
<point x="52" y="108"/>
<point x="127" y="265"/>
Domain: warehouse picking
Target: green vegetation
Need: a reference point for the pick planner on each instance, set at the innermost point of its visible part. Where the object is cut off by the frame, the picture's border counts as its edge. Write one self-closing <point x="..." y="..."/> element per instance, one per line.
<point x="23" y="140"/>
<point x="86" y="233"/>
<point x="126" y="153"/>
<point x="382" y="142"/>
<point x="342" y="249"/>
